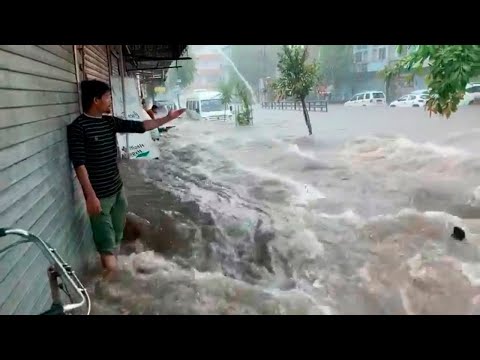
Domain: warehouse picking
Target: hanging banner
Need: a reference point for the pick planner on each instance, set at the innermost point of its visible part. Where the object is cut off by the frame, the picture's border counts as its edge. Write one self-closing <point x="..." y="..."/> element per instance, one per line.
<point x="141" y="146"/>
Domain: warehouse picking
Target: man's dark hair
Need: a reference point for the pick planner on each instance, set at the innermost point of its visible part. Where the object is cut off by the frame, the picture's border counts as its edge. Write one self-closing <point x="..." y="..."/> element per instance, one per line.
<point x="154" y="107"/>
<point x="90" y="90"/>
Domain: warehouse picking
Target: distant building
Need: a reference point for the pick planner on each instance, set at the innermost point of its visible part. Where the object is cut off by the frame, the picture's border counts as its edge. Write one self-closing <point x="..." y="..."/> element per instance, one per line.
<point x="212" y="66"/>
<point x="369" y="60"/>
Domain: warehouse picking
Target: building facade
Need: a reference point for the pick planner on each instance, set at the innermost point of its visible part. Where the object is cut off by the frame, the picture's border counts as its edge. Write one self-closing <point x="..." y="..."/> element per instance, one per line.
<point x="369" y="60"/>
<point x="211" y="64"/>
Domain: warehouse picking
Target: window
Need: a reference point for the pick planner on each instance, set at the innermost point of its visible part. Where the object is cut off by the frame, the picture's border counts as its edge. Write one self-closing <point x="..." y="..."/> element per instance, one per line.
<point x="358" y="57"/>
<point x="378" y="95"/>
<point x="212" y="105"/>
<point x="382" y="53"/>
<point x="411" y="97"/>
<point x="403" y="98"/>
<point x="473" y="89"/>
<point x="360" y="96"/>
<point x="367" y="96"/>
<point x="375" y="54"/>
<point x="424" y="97"/>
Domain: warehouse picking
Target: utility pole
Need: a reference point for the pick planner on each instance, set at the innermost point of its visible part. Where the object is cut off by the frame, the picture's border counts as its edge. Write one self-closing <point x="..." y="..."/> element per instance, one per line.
<point x="264" y="72"/>
<point x="264" y="61"/>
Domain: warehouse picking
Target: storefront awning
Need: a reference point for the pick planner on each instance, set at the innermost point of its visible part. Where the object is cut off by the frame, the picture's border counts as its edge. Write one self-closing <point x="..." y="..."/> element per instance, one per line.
<point x="153" y="58"/>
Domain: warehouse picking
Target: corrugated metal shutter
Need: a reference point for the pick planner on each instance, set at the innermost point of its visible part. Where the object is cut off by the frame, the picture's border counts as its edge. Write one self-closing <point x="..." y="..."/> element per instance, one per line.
<point x="95" y="62"/>
<point x="114" y="63"/>
<point x="38" y="98"/>
<point x="115" y="71"/>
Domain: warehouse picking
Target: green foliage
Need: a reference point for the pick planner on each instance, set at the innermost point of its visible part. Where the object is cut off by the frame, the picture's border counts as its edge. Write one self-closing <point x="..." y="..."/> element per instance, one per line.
<point x="450" y="69"/>
<point x="335" y="63"/>
<point x="244" y="117"/>
<point x="226" y="88"/>
<point x="297" y="75"/>
<point x="235" y="88"/>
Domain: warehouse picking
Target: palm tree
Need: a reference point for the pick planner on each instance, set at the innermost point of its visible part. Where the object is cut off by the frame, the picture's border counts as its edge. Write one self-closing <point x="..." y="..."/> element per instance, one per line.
<point x="226" y="89"/>
<point x="244" y="117"/>
<point x="298" y="76"/>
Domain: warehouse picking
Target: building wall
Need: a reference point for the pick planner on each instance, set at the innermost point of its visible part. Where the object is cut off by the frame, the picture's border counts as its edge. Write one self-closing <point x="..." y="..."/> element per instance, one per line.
<point x="212" y="67"/>
<point x="38" y="189"/>
<point x="368" y="81"/>
<point x="375" y="57"/>
<point x="369" y="60"/>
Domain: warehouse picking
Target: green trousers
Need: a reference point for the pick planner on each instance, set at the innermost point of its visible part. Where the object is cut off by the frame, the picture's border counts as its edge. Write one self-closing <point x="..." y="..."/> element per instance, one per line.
<point x="107" y="227"/>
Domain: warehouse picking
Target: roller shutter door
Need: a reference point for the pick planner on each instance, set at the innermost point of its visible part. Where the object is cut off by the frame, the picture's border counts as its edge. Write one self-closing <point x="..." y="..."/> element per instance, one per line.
<point x="96" y="62"/>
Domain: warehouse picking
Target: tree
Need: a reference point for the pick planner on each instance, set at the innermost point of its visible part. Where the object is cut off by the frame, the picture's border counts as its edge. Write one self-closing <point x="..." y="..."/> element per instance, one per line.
<point x="186" y="74"/>
<point x="236" y="88"/>
<point x="450" y="69"/>
<point x="244" y="117"/>
<point x="335" y="63"/>
<point x="226" y="89"/>
<point x="297" y="76"/>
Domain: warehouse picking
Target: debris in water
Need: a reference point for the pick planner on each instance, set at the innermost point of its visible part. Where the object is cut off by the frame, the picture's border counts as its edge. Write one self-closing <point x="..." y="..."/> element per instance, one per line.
<point x="458" y="233"/>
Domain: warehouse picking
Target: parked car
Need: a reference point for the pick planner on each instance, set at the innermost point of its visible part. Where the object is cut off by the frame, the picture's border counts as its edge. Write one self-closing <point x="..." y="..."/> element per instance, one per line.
<point x="472" y="94"/>
<point x="420" y="92"/>
<point x="410" y="100"/>
<point x="367" y="98"/>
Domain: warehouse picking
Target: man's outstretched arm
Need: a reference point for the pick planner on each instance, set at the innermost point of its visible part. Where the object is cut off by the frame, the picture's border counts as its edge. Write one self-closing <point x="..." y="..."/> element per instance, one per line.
<point x="129" y="126"/>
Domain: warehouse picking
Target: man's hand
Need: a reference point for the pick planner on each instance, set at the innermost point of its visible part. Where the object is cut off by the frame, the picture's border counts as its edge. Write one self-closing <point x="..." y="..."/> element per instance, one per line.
<point x="153" y="124"/>
<point x="93" y="205"/>
<point x="173" y="114"/>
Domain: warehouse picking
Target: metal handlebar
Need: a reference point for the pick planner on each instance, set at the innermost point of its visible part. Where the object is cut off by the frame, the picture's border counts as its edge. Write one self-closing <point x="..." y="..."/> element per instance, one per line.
<point x="64" y="270"/>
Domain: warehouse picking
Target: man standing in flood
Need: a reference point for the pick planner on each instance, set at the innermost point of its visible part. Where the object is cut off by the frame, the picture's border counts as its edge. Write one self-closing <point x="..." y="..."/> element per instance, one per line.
<point x="92" y="146"/>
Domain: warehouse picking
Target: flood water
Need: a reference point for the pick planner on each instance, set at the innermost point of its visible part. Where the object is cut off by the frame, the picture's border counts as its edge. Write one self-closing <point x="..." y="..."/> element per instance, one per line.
<point x="355" y="219"/>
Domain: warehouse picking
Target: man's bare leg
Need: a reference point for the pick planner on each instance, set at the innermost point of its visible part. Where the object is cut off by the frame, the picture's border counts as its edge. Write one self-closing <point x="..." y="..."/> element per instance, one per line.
<point x="110" y="266"/>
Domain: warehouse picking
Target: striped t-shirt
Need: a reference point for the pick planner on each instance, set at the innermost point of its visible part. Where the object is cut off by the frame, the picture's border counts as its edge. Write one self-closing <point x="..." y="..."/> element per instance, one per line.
<point x="92" y="142"/>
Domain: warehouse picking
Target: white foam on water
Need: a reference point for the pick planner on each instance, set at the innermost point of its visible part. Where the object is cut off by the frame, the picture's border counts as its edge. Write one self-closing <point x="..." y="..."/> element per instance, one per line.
<point x="348" y="215"/>
<point x="441" y="150"/>
<point x="305" y="192"/>
<point x="213" y="291"/>
<point x="296" y="150"/>
<point x="405" y="301"/>
<point x="401" y="150"/>
<point x="406" y="212"/>
<point x="415" y="265"/>
<point x="475" y="200"/>
<point x="471" y="272"/>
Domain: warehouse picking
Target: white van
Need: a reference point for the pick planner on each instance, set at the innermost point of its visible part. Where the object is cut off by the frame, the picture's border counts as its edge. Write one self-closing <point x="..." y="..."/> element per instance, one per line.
<point x="368" y="98"/>
<point x="207" y="105"/>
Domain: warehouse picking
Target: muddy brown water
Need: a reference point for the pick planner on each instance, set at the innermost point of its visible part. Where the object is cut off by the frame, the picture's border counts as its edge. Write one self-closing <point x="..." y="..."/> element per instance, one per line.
<point x="265" y="220"/>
